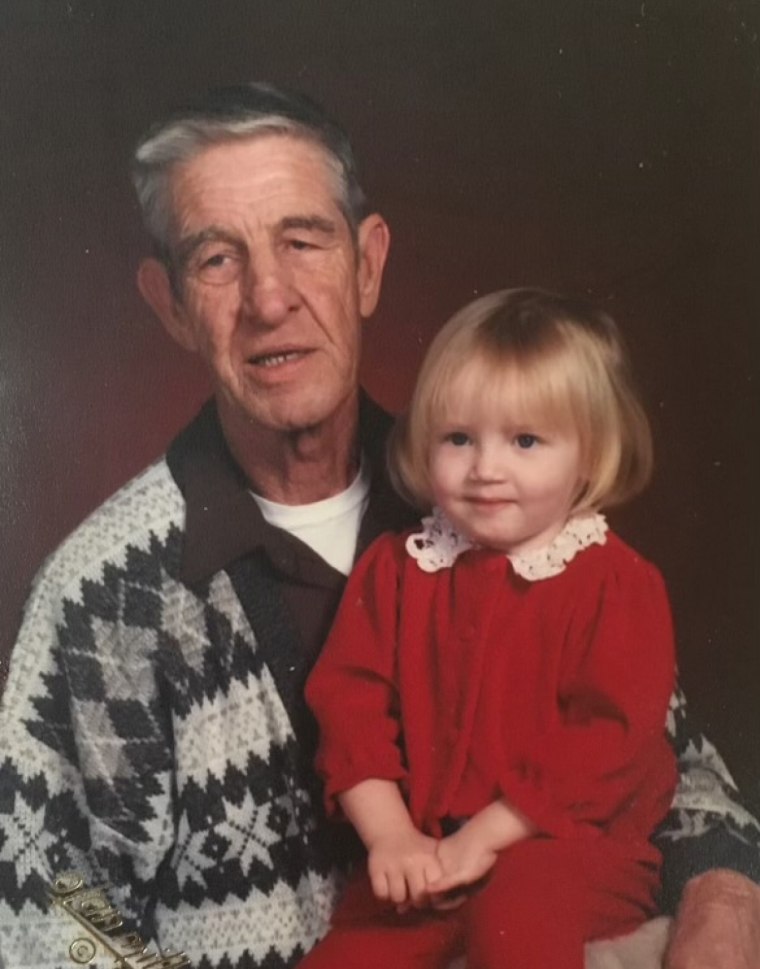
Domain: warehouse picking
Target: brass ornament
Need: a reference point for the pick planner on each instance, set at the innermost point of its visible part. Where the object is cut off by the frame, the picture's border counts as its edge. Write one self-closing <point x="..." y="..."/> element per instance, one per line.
<point x="104" y="928"/>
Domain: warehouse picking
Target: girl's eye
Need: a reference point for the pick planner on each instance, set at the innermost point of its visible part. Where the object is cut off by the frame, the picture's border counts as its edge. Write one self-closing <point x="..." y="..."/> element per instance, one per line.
<point x="457" y="438"/>
<point x="526" y="441"/>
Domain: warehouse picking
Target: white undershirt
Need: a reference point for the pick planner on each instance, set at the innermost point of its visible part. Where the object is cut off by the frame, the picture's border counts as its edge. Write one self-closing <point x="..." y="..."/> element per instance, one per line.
<point x="330" y="527"/>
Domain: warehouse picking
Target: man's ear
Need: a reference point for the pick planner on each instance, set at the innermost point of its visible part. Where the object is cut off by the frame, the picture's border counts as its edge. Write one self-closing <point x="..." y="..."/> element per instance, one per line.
<point x="156" y="289"/>
<point x="373" y="243"/>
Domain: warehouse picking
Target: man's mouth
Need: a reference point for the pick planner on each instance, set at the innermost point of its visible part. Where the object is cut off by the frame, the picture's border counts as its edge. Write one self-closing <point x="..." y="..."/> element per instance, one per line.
<point x="276" y="359"/>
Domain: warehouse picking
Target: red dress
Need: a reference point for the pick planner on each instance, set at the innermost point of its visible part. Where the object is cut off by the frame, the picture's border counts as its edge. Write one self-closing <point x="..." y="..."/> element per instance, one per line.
<point x="471" y="683"/>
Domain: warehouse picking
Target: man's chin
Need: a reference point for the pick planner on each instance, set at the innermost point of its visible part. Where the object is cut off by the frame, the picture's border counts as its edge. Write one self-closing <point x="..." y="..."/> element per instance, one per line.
<point x="291" y="416"/>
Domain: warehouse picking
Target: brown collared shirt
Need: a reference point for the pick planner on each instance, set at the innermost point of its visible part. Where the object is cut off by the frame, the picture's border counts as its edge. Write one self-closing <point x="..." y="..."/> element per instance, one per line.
<point x="224" y="523"/>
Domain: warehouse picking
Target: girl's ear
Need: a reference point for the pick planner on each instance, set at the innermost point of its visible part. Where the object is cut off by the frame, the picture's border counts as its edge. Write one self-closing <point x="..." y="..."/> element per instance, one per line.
<point x="373" y="244"/>
<point x="156" y="289"/>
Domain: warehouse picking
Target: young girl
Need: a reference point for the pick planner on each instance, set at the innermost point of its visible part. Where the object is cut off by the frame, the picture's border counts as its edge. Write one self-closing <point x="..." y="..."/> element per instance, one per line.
<point x="492" y="697"/>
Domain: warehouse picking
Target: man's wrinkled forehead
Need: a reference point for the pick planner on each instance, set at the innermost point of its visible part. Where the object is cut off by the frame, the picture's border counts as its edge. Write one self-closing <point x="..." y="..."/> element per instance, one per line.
<point x="310" y="148"/>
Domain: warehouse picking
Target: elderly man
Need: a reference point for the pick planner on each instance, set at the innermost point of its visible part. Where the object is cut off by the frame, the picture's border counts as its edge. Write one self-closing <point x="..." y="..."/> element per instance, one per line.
<point x="155" y="737"/>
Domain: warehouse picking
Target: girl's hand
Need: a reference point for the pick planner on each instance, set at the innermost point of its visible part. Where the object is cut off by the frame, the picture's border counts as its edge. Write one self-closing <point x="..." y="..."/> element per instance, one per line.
<point x="401" y="866"/>
<point x="465" y="858"/>
<point x="469" y="854"/>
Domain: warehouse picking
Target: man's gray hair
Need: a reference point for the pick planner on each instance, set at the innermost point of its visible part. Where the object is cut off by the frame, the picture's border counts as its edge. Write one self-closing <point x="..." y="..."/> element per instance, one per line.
<point x="233" y="114"/>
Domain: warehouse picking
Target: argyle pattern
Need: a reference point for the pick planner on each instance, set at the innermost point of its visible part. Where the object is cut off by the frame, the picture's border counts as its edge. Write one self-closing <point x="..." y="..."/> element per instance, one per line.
<point x="148" y="748"/>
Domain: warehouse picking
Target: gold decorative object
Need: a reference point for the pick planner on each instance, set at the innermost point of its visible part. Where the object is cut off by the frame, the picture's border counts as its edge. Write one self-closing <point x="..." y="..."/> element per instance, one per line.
<point x="103" y="929"/>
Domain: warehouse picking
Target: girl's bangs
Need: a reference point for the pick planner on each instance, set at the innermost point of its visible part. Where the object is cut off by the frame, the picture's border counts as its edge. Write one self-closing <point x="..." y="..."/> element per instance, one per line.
<point x="530" y="392"/>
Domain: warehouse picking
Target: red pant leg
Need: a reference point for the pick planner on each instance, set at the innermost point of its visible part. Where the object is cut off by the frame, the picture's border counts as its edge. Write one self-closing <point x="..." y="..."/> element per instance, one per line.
<point x="545" y="899"/>
<point x="367" y="934"/>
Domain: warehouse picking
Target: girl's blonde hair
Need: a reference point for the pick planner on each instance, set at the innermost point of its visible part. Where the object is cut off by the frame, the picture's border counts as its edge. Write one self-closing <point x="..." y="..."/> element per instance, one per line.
<point x="566" y="361"/>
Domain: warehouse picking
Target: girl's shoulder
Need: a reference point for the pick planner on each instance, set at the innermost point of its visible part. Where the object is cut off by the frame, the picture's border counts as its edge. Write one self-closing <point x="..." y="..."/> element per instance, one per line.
<point x="618" y="552"/>
<point x="617" y="582"/>
<point x="614" y="563"/>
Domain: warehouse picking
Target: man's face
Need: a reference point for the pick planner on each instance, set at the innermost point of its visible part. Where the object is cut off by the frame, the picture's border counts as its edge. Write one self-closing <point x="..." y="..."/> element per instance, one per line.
<point x="272" y="287"/>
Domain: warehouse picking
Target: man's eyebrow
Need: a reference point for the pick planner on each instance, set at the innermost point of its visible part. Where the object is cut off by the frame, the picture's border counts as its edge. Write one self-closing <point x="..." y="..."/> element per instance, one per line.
<point x="310" y="223"/>
<point x="191" y="243"/>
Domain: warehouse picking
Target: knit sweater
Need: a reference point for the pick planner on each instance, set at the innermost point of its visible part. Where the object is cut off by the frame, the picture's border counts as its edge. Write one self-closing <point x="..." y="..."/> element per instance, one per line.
<point x="146" y="745"/>
<point x="148" y="742"/>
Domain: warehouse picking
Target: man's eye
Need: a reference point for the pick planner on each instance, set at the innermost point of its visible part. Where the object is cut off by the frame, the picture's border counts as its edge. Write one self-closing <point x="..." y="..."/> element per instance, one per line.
<point x="300" y="245"/>
<point x="526" y="441"/>
<point x="215" y="261"/>
<point x="222" y="266"/>
<point x="457" y="438"/>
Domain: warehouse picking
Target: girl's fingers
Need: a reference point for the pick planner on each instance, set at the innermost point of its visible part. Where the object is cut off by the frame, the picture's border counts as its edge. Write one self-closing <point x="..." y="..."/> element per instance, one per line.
<point x="417" y="885"/>
<point x="432" y="873"/>
<point x="397" y="887"/>
<point x="380" y="887"/>
<point x="443" y="884"/>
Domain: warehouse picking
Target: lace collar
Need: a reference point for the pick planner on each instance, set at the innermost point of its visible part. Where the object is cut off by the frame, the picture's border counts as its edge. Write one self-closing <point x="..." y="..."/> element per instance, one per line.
<point x="439" y="545"/>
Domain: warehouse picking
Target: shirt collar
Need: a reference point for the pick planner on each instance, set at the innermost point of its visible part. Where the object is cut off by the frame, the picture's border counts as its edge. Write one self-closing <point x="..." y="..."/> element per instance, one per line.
<point x="223" y="523"/>
<point x="439" y="544"/>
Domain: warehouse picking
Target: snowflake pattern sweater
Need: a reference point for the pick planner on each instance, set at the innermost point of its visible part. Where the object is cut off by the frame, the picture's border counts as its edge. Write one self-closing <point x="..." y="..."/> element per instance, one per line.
<point x="146" y="744"/>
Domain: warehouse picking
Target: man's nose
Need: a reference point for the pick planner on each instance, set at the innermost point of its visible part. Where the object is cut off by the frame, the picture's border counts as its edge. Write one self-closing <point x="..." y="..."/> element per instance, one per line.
<point x="268" y="292"/>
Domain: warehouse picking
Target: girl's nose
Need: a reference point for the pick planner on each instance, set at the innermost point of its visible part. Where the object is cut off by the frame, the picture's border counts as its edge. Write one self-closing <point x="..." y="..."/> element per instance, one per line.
<point x="487" y="464"/>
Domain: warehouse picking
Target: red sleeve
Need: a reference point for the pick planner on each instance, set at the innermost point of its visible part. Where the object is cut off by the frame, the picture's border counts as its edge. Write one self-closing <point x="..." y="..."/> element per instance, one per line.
<point x="605" y="761"/>
<point x="352" y="689"/>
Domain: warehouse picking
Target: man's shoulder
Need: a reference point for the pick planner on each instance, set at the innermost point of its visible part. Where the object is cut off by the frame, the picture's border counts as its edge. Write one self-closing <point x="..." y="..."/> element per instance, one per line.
<point x="147" y="508"/>
<point x="106" y="571"/>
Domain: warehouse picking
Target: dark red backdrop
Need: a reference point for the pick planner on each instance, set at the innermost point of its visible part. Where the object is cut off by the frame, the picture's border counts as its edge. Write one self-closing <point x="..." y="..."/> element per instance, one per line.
<point x="595" y="146"/>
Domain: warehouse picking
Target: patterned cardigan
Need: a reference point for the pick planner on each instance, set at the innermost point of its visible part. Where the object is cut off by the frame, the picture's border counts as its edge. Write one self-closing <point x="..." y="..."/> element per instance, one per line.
<point x="146" y="742"/>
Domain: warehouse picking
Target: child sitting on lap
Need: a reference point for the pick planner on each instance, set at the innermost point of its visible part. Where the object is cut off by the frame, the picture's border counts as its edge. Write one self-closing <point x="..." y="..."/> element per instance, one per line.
<point x="492" y="697"/>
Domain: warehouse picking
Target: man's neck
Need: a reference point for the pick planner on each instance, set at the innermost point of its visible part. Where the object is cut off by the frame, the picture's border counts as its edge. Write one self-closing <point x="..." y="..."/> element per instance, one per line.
<point x="297" y="467"/>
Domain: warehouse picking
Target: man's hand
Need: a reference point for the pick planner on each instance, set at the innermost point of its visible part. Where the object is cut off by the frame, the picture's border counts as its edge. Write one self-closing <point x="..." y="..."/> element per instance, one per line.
<point x="401" y="866"/>
<point x="718" y="924"/>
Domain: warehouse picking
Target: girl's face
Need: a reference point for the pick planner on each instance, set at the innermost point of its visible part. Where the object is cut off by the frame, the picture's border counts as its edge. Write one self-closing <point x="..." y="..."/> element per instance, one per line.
<point x="504" y="480"/>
